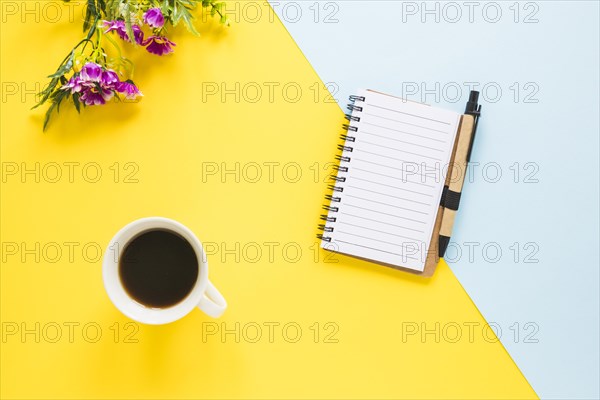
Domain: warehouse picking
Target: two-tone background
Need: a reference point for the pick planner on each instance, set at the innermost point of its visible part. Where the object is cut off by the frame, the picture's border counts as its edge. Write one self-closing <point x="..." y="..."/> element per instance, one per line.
<point x="235" y="137"/>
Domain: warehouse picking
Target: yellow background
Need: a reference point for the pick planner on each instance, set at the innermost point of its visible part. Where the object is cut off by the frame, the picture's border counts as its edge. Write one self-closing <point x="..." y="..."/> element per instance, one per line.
<point x="171" y="135"/>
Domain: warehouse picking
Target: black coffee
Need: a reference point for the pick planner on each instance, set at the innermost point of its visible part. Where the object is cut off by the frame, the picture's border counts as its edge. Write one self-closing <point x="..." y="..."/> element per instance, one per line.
<point x="158" y="268"/>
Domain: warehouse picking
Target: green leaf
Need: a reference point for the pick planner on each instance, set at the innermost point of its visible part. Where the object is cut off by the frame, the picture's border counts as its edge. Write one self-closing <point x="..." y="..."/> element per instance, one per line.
<point x="128" y="25"/>
<point x="47" y="116"/>
<point x="112" y="9"/>
<point x="165" y="9"/>
<point x="101" y="7"/>
<point x="189" y="23"/>
<point x="47" y="92"/>
<point x="57" y="97"/>
<point x="59" y="72"/>
<point x="90" y="12"/>
<point x="64" y="68"/>
<point x="76" y="102"/>
<point x="60" y="96"/>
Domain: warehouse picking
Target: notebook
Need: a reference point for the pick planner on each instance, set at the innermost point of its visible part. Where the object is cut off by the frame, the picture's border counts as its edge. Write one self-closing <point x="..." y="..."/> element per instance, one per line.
<point x="385" y="199"/>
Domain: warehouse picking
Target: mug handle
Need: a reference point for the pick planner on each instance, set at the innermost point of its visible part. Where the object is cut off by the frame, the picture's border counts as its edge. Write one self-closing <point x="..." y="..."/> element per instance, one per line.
<point x="212" y="303"/>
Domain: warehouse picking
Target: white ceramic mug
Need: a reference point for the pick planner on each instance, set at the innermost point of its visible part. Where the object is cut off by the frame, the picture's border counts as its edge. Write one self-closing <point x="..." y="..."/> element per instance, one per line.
<point x="203" y="295"/>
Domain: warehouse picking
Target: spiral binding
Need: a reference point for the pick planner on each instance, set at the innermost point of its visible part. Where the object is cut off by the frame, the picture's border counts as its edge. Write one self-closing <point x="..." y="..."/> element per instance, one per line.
<point x="340" y="168"/>
<point x="347" y="138"/>
<point x="350" y="128"/>
<point x="325" y="238"/>
<point x="325" y="228"/>
<point x="353" y="108"/>
<point x="342" y="158"/>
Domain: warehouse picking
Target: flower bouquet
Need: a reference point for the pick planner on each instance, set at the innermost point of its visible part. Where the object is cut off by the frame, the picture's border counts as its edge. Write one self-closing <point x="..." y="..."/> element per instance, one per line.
<point x="90" y="76"/>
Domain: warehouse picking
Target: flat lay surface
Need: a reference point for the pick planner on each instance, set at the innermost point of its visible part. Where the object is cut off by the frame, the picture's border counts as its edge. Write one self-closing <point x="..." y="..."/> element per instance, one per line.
<point x="235" y="137"/>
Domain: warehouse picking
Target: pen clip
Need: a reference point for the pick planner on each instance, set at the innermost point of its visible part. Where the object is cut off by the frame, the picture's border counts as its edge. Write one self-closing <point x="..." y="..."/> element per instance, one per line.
<point x="473" y="109"/>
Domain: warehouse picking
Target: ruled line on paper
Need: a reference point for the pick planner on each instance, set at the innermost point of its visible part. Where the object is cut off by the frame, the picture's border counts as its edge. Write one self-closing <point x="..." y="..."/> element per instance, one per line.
<point x="401" y="245"/>
<point x="412" y="115"/>
<point x="398" y="169"/>
<point x="387" y="204"/>
<point x="407" y="123"/>
<point x="393" y="177"/>
<point x="392" y="186"/>
<point x="381" y="155"/>
<point x="384" y="156"/>
<point x="375" y="230"/>
<point x="401" y="141"/>
<point x="402" y="151"/>
<point x="389" y="195"/>
<point x="384" y="213"/>
<point x="408" y="133"/>
<point x="373" y="248"/>
<point x="381" y="222"/>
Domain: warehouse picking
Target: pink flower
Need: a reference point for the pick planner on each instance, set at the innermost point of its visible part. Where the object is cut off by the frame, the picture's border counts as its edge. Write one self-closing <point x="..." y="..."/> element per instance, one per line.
<point x="129" y="89"/>
<point x="119" y="27"/>
<point x="95" y="85"/>
<point x="96" y="95"/>
<point x="75" y="84"/>
<point x="91" y="72"/>
<point x="109" y="77"/>
<point x="154" y="18"/>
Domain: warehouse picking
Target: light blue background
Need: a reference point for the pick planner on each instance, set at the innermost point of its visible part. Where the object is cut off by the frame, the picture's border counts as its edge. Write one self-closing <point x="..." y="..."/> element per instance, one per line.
<point x="383" y="45"/>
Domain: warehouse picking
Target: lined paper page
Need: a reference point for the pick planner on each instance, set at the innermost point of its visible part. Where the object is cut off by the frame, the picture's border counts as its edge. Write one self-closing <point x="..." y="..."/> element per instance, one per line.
<point x="394" y="180"/>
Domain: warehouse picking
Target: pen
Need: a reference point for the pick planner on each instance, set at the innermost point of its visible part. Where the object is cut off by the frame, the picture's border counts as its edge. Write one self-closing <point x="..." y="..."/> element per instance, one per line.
<point x="451" y="194"/>
<point x="473" y="109"/>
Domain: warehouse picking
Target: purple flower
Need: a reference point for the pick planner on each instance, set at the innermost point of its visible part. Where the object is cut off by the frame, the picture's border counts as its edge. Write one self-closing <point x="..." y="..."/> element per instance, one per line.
<point x="159" y="45"/>
<point x="138" y="34"/>
<point x="75" y="84"/>
<point x="109" y="77"/>
<point x="154" y="18"/>
<point x="96" y="85"/>
<point x="128" y="89"/>
<point x="91" y="72"/>
<point x="96" y="95"/>
<point x="119" y="27"/>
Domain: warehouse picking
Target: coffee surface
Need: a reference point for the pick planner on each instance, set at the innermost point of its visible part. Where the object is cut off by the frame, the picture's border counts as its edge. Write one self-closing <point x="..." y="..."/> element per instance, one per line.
<point x="158" y="268"/>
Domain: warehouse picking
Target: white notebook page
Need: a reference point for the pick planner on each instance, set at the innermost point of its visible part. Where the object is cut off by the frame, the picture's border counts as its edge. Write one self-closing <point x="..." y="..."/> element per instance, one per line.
<point x="394" y="180"/>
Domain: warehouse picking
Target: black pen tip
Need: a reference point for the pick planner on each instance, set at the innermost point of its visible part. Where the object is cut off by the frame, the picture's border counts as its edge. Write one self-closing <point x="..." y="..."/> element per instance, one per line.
<point x="472" y="105"/>
<point x="474" y="96"/>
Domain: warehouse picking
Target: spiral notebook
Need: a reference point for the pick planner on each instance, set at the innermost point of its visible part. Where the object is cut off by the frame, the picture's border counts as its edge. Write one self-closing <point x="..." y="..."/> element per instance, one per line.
<point x="385" y="200"/>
